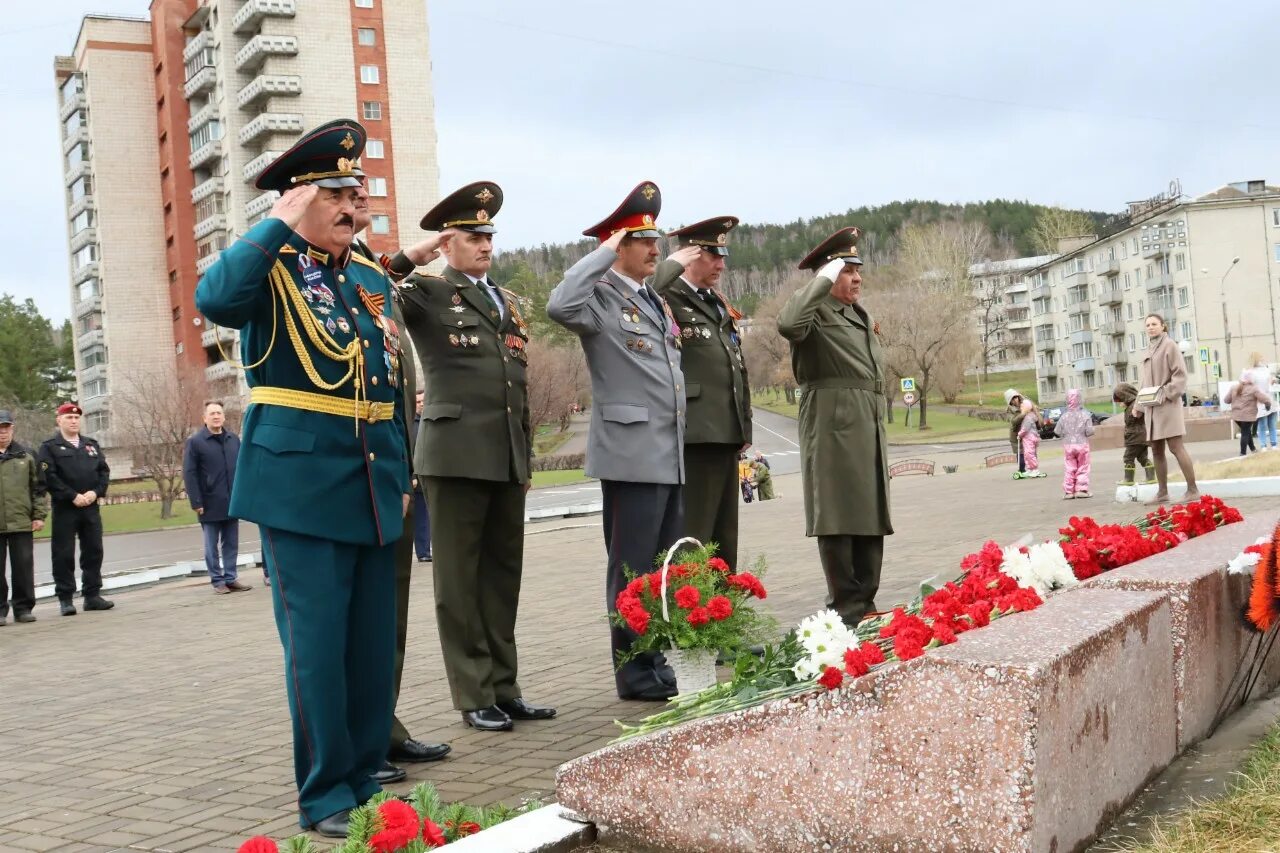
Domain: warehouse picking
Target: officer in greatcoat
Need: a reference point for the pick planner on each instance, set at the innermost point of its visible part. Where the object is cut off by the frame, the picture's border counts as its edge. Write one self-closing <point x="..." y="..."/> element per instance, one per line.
<point x="635" y="445"/>
<point x="837" y="361"/>
<point x="718" y="418"/>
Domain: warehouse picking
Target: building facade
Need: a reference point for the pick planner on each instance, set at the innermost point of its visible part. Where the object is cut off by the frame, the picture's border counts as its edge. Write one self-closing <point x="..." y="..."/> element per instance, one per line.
<point x="1002" y="313"/>
<point x="1209" y="265"/>
<point x="168" y="121"/>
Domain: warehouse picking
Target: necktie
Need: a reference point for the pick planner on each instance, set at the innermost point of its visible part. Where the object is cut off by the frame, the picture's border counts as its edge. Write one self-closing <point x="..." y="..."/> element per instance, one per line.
<point x="484" y="288"/>
<point x="651" y="298"/>
<point x="710" y="298"/>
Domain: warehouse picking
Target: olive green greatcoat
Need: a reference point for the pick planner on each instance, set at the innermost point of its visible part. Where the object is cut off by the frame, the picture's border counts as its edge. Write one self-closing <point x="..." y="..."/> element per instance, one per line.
<point x="836" y="359"/>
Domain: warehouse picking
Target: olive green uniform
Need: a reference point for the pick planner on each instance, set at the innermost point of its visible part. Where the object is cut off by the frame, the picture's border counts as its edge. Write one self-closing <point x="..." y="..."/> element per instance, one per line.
<point x="718" y="415"/>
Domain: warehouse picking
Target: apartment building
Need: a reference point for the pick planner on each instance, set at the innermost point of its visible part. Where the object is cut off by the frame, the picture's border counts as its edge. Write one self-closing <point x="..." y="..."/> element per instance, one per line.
<point x="1002" y="313"/>
<point x="167" y="122"/>
<point x="1210" y="265"/>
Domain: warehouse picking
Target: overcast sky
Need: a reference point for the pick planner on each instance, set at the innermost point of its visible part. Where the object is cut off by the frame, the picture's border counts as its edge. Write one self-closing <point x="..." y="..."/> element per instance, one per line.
<point x="765" y="110"/>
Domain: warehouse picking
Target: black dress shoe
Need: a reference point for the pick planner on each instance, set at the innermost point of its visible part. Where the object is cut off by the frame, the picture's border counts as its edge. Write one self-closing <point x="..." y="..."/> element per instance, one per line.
<point x="518" y="709"/>
<point x="415" y="751"/>
<point x="653" y="693"/>
<point x="68" y="609"/>
<point x="23" y="616"/>
<point x="389" y="773"/>
<point x="487" y="719"/>
<point x="334" y="826"/>
<point x="97" y="602"/>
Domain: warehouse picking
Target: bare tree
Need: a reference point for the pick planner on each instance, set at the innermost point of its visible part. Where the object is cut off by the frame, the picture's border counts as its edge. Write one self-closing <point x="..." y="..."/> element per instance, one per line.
<point x="153" y="419"/>
<point x="557" y="378"/>
<point x="1055" y="223"/>
<point x="767" y="354"/>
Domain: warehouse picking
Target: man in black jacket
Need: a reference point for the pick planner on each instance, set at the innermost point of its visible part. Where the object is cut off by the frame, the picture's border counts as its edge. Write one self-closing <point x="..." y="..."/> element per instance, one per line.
<point x="209" y="471"/>
<point x="76" y="473"/>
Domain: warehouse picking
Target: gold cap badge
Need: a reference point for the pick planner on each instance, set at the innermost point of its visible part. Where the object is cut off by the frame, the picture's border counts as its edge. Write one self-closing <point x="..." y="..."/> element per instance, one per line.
<point x="649" y="191"/>
<point x="482" y="215"/>
<point x="348" y="142"/>
<point x="484" y="195"/>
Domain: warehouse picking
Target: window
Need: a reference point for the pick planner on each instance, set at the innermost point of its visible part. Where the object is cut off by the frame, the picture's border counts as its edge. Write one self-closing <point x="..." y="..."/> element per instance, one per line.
<point x="177" y="313"/>
<point x="93" y="356"/>
<point x="83" y="220"/>
<point x="1277" y="250"/>
<point x="1141" y="311"/>
<point x="1124" y="250"/>
<point x="1127" y="283"/>
<point x="74" y="122"/>
<point x="372" y="110"/>
<point x="368" y="74"/>
<point x="378" y="187"/>
<point x="1133" y="342"/>
<point x="180" y="348"/>
<point x="207" y="207"/>
<point x="381" y="224"/>
<point x="373" y="149"/>
<point x="90" y="322"/>
<point x="74" y="85"/>
<point x="1128" y="311"/>
<point x="78" y="154"/>
<point x="1184" y="297"/>
<point x="1275" y="216"/>
<point x="97" y="422"/>
<point x="1186" y="332"/>
<point x="96" y="388"/>
<point x="1180" y="262"/>
<point x="206" y="133"/>
<point x="364" y="4"/>
<point x="367" y="36"/>
<point x="85" y="255"/>
<point x="1135" y="245"/>
<point x="88" y="289"/>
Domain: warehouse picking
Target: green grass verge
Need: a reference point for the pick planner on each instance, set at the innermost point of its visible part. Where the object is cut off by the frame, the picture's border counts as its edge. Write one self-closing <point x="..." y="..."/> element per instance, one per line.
<point x="128" y="518"/>
<point x="944" y="427"/>
<point x="993" y="388"/>
<point x="542" y="479"/>
<point x="548" y="438"/>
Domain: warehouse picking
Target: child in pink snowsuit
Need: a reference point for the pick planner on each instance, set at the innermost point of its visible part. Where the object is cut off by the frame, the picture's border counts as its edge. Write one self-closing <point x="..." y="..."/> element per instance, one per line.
<point x="1029" y="439"/>
<point x="1074" y="428"/>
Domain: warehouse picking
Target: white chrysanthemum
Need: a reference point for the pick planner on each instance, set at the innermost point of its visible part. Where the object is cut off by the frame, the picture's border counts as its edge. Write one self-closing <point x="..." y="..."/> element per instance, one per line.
<point x="824" y="637"/>
<point x="1043" y="568"/>
<point x="1244" y="563"/>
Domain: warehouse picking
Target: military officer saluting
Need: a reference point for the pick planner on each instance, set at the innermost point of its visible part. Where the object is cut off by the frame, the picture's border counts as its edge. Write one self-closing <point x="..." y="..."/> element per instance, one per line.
<point x="323" y="467"/>
<point x="836" y="358"/>
<point x="718" y="419"/>
<point x="635" y="444"/>
<point x="474" y="449"/>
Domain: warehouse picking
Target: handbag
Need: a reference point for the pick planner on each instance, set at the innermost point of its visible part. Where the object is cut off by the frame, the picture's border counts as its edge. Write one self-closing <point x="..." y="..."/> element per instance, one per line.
<point x="1149" y="396"/>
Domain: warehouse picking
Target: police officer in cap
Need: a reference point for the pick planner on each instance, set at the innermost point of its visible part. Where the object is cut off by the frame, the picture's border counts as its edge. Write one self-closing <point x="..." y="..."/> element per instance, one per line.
<point x="323" y="469"/>
<point x="837" y="360"/>
<point x="718" y="420"/>
<point x="637" y="411"/>
<point x="76" y="473"/>
<point x="474" y="448"/>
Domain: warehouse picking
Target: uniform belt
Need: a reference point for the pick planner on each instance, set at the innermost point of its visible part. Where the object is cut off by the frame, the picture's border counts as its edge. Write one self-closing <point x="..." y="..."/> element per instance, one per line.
<point x="365" y="410"/>
<point x="873" y="385"/>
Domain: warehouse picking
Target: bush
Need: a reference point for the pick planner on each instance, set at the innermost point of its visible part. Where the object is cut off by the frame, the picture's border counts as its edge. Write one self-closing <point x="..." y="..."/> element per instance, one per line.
<point x="562" y="462"/>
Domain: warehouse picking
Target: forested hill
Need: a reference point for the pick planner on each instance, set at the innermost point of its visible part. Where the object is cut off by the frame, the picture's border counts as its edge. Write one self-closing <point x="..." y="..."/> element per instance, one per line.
<point x="763" y="257"/>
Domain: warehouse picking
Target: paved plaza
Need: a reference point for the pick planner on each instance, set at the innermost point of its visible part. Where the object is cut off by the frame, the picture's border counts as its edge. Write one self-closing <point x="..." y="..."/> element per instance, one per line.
<point x="162" y="725"/>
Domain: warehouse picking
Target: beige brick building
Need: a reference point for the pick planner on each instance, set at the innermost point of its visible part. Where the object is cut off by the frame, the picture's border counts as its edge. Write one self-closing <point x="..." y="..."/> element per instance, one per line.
<point x="1210" y="265"/>
<point x="1002" y="316"/>
<point x="168" y="120"/>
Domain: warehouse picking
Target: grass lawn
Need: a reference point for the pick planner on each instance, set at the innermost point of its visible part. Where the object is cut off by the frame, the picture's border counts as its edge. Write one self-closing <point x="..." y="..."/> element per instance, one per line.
<point x="542" y="479"/>
<point x="1245" y="819"/>
<point x="944" y="427"/>
<point x="1254" y="465"/>
<point x="125" y="518"/>
<point x="548" y="438"/>
<point x="993" y="388"/>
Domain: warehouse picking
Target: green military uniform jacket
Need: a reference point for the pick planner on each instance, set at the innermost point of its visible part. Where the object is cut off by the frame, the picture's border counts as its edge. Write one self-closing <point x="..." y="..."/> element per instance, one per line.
<point x="836" y="358"/>
<point x="324" y="475"/>
<point x="716" y="384"/>
<point x="22" y="490"/>
<point x="475" y="413"/>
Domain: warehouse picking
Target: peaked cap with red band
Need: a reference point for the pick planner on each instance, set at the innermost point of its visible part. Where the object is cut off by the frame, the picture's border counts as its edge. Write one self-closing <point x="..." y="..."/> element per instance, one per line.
<point x="326" y="156"/>
<point x="637" y="215"/>
<point x="69" y="409"/>
<point x="842" y="244"/>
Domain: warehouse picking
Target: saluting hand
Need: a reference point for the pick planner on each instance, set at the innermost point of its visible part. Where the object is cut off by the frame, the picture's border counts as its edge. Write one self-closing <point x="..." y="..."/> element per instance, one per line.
<point x="429" y="249"/>
<point x="831" y="270"/>
<point x="685" y="256"/>
<point x="615" y="239"/>
<point x="292" y="206"/>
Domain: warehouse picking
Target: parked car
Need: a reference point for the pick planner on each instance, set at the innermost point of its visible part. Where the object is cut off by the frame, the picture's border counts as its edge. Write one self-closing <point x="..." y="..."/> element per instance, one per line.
<point x="1049" y="419"/>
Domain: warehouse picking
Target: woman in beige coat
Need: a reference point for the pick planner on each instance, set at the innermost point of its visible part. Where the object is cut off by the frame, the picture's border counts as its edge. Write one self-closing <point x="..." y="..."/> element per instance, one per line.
<point x="1162" y="368"/>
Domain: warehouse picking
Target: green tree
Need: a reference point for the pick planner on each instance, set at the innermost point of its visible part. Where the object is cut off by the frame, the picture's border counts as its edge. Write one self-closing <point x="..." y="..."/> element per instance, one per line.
<point x="31" y="363"/>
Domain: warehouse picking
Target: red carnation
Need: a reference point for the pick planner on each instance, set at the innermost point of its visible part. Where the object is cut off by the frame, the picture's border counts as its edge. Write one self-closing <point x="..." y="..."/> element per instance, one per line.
<point x="980" y="613"/>
<point x="698" y="617"/>
<point x="943" y="634"/>
<point x="655" y="584"/>
<point x="719" y="565"/>
<point x="636" y="586"/>
<point x="259" y="844"/>
<point x="688" y="597"/>
<point x="399" y="822"/>
<point x="432" y="835"/>
<point x="854" y="663"/>
<point x="831" y="678"/>
<point x="907" y="646"/>
<point x="638" y="621"/>
<point x="720" y="608"/>
<point x="871" y="653"/>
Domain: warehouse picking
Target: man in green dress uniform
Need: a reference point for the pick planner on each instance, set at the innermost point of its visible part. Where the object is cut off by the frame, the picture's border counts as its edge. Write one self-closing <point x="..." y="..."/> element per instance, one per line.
<point x="474" y="447"/>
<point x="718" y="416"/>
<point x="323" y="467"/>
<point x="836" y="358"/>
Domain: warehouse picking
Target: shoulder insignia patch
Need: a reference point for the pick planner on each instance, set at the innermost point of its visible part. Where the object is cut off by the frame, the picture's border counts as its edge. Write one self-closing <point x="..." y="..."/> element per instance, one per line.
<point x="286" y="249"/>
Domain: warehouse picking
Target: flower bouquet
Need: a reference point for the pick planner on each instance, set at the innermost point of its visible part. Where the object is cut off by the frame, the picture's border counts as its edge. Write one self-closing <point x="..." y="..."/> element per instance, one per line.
<point x="692" y="610"/>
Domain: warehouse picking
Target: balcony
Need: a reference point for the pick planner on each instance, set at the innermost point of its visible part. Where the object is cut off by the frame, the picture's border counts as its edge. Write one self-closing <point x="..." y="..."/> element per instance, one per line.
<point x="270" y="123"/>
<point x="1041" y="292"/>
<point x="205" y="153"/>
<point x="221" y="370"/>
<point x="250" y="16"/>
<point x="79" y="207"/>
<point x="70" y="105"/>
<point x="208" y="225"/>
<point x="1046" y="345"/>
<point x="196" y="45"/>
<point x="1119" y="358"/>
<point x="202" y="115"/>
<point x="252" y="55"/>
<point x="268" y="86"/>
<point x="1019" y="323"/>
<point x="90" y="338"/>
<point x="71" y="140"/>
<point x="260" y="204"/>
<point x="91" y="374"/>
<point x="1084" y="364"/>
<point x="85" y="306"/>
<point x="75" y="172"/>
<point x="1152" y="252"/>
<point x="1084" y="336"/>
<point x="255" y="166"/>
<point x="1111" y="329"/>
<point x="89" y="270"/>
<point x="1049" y="372"/>
<point x="1157" y="282"/>
<point x="1107" y="268"/>
<point x="1076" y="277"/>
<point x="1110" y="296"/>
<point x="205" y="188"/>
<point x="203" y="264"/>
<point x="82" y="238"/>
<point x="217" y="334"/>
<point x="201" y="81"/>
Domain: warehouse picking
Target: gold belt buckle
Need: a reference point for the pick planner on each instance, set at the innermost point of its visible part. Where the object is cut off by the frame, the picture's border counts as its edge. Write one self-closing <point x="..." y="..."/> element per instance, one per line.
<point x="375" y="411"/>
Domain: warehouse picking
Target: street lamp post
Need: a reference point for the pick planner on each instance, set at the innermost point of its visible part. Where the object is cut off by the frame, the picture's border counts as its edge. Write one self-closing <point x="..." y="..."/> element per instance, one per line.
<point x="1226" y="328"/>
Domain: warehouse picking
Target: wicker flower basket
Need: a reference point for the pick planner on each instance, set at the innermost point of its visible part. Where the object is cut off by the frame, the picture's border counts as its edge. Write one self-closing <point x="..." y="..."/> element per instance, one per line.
<point x="695" y="669"/>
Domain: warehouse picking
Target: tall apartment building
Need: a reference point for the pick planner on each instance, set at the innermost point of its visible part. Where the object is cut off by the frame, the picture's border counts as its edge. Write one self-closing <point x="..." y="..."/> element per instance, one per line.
<point x="1171" y="256"/>
<point x="168" y="121"/>
<point x="1002" y="317"/>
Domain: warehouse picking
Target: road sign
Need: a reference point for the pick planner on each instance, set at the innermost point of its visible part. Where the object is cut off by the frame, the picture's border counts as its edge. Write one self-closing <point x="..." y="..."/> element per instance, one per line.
<point x="909" y="398"/>
<point x="797" y="393"/>
<point x="908" y="385"/>
<point x="1204" y="355"/>
<point x="1217" y="371"/>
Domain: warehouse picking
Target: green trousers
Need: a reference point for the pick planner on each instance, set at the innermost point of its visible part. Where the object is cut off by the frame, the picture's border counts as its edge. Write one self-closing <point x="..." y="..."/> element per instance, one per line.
<point x="711" y="497"/>
<point x="477" y="549"/>
<point x="404" y="574"/>
<point x="334" y="606"/>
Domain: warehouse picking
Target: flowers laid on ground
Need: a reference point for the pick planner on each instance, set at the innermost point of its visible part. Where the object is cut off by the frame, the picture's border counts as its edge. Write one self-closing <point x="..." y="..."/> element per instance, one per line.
<point x="708" y="606"/>
<point x="994" y="582"/>
<point x="390" y="825"/>
<point x="1262" y="559"/>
